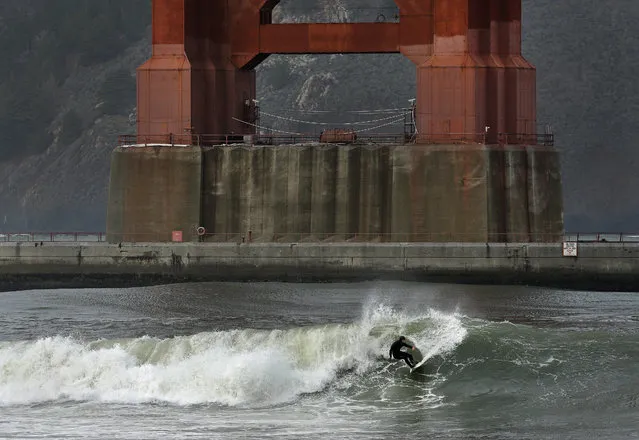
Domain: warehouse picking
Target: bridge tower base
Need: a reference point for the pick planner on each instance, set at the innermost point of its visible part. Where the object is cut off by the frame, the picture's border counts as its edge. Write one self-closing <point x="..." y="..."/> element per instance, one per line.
<point x="461" y="181"/>
<point x="383" y="193"/>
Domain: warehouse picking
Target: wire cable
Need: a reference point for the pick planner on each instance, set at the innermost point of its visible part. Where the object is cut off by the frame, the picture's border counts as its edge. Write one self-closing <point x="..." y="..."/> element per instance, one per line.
<point x="374" y="121"/>
<point x="381" y="126"/>
<point x="267" y="128"/>
<point x="371" y="112"/>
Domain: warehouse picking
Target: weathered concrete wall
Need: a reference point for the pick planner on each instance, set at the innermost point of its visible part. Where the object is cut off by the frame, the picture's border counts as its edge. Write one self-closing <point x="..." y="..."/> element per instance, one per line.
<point x="516" y="195"/>
<point x="599" y="266"/>
<point x="450" y="188"/>
<point x="545" y="200"/>
<point x="154" y="191"/>
<point x="417" y="193"/>
<point x="337" y="193"/>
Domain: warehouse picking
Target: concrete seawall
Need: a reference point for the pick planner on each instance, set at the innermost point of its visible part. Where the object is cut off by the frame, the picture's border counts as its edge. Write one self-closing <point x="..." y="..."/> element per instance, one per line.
<point x="599" y="266"/>
<point x="374" y="193"/>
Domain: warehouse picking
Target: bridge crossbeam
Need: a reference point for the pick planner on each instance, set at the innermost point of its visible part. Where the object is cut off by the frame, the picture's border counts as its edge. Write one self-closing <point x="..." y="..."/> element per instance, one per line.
<point x="471" y="75"/>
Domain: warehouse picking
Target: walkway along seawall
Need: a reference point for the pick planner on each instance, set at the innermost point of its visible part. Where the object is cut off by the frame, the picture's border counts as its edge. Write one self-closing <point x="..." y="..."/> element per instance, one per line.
<point x="596" y="266"/>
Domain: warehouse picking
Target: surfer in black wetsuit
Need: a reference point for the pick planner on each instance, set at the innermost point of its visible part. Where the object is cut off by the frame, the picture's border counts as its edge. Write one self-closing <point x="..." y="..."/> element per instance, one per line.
<point x="397" y="353"/>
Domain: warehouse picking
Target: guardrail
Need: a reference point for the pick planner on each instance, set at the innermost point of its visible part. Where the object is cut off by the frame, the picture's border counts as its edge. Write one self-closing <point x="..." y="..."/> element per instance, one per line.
<point x="204" y="140"/>
<point x="450" y="138"/>
<point x="171" y="139"/>
<point x="248" y="237"/>
<point x="434" y="237"/>
<point x="52" y="237"/>
<point x="542" y="139"/>
<point x="532" y="139"/>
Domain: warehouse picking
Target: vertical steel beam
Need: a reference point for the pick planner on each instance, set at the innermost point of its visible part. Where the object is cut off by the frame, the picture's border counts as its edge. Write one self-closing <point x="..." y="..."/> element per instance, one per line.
<point x="520" y="75"/>
<point x="476" y="80"/>
<point x="416" y="29"/>
<point x="451" y="84"/>
<point x="164" y="98"/>
<point x="190" y="84"/>
<point x="496" y="86"/>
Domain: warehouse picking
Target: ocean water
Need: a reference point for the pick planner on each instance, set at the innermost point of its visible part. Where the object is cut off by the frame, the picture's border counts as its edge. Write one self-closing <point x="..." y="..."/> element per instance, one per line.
<point x="254" y="361"/>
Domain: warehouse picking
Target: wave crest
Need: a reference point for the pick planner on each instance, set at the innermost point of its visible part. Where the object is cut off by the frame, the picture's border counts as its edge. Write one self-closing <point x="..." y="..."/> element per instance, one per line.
<point x="236" y="368"/>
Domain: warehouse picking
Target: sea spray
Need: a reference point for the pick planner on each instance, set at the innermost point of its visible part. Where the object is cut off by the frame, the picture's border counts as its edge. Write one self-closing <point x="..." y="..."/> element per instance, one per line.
<point x="432" y="331"/>
<point x="243" y="367"/>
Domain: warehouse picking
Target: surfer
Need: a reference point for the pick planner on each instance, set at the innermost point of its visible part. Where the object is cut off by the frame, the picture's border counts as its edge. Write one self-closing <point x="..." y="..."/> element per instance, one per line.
<point x="396" y="351"/>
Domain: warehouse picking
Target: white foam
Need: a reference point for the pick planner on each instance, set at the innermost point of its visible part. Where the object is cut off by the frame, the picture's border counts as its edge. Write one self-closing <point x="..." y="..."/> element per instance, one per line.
<point x="439" y="333"/>
<point x="243" y="367"/>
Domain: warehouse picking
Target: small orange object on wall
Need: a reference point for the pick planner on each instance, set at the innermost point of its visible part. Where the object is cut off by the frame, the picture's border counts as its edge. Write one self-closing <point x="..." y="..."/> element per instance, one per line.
<point x="178" y="237"/>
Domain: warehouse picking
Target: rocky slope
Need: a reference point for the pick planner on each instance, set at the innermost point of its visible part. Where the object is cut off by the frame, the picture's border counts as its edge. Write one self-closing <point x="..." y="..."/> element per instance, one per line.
<point x="67" y="90"/>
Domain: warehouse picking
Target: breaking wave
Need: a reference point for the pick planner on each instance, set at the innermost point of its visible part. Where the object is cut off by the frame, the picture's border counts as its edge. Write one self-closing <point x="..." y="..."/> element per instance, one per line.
<point x="235" y="368"/>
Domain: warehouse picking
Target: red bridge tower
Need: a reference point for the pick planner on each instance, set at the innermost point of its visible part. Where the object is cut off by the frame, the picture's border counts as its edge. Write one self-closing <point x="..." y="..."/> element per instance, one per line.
<point x="476" y="173"/>
<point x="470" y="71"/>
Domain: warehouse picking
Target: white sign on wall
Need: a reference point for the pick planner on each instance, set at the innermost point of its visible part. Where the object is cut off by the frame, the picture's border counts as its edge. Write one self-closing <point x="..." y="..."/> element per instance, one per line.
<point x="570" y="249"/>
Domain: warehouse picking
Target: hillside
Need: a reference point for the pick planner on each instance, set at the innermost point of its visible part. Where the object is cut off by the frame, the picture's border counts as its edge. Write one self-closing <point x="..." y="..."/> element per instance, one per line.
<point x="67" y="89"/>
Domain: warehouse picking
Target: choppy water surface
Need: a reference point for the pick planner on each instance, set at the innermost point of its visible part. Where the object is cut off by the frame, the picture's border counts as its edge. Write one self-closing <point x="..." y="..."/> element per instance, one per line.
<point x="290" y="361"/>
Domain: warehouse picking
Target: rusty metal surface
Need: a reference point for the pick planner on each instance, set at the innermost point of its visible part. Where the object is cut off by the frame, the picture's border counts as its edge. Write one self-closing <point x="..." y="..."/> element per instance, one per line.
<point x="189" y="84"/>
<point x="416" y="29"/>
<point x="477" y="79"/>
<point x="338" y="136"/>
<point x="244" y="30"/>
<point x="471" y="75"/>
<point x="329" y="38"/>
<point x="520" y="76"/>
<point x="168" y="23"/>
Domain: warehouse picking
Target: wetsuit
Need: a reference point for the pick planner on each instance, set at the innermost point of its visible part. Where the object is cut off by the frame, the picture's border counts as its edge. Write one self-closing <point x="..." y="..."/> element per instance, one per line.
<point x="397" y="353"/>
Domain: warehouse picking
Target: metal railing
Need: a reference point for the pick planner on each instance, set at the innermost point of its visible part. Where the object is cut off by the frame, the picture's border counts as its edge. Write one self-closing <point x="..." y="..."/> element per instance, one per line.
<point x="602" y="237"/>
<point x="539" y="139"/>
<point x="52" y="237"/>
<point x="171" y="139"/>
<point x="432" y="237"/>
<point x="450" y="138"/>
<point x="203" y="140"/>
<point x="310" y="237"/>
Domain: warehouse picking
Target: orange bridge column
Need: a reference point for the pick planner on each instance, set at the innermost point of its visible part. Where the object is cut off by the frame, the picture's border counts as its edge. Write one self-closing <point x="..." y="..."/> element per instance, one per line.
<point x="190" y="84"/>
<point x="452" y="83"/>
<point x="521" y="76"/>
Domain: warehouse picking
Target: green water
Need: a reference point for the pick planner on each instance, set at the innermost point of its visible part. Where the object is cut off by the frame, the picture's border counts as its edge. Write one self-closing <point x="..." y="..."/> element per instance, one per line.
<point x="288" y="361"/>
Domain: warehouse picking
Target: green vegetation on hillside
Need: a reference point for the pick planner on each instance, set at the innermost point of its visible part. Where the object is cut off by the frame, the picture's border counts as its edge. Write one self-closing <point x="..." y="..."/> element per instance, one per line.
<point x="43" y="43"/>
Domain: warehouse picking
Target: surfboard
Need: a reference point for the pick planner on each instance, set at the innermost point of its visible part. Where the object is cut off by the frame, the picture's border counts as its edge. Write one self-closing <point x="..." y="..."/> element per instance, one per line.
<point x="419" y="364"/>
